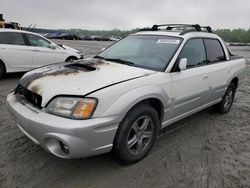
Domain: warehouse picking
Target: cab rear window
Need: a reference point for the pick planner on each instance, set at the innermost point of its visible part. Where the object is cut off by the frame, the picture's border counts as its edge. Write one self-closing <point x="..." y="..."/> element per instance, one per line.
<point x="215" y="52"/>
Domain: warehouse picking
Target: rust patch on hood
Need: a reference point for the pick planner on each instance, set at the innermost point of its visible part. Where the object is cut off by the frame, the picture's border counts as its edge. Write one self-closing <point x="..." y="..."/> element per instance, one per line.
<point x="53" y="71"/>
<point x="62" y="69"/>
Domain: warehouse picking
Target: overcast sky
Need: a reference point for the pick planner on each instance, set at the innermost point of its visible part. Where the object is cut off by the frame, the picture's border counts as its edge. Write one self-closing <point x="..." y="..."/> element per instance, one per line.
<point x="126" y="14"/>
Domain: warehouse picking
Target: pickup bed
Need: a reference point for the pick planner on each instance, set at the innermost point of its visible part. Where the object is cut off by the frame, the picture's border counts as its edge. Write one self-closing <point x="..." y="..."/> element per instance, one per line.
<point x="123" y="96"/>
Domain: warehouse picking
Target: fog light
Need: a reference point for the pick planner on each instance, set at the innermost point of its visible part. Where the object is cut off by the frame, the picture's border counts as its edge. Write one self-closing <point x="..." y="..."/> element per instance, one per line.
<point x="57" y="147"/>
<point x="64" y="148"/>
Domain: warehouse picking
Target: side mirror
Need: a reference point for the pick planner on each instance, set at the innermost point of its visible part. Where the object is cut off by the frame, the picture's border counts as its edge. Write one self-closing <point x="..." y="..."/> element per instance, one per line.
<point x="183" y="64"/>
<point x="53" y="46"/>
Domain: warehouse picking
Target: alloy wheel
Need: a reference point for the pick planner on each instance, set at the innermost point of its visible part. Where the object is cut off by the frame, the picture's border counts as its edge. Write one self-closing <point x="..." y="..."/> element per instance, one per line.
<point x="140" y="135"/>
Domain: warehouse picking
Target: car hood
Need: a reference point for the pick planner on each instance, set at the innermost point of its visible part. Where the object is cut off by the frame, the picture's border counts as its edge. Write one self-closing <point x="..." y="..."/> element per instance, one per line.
<point x="79" y="78"/>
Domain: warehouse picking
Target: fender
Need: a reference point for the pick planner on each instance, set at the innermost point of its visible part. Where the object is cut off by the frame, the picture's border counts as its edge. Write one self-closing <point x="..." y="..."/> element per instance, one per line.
<point x="123" y="104"/>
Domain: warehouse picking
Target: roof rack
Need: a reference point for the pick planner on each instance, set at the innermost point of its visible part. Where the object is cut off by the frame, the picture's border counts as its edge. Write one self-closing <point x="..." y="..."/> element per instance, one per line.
<point x="185" y="28"/>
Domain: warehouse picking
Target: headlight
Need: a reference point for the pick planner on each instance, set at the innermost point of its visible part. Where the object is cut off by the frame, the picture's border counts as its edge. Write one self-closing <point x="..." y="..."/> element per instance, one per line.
<point x="72" y="107"/>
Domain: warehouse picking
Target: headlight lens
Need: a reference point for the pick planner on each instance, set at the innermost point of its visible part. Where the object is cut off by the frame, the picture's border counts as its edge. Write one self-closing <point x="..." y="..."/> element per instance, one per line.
<point x="72" y="107"/>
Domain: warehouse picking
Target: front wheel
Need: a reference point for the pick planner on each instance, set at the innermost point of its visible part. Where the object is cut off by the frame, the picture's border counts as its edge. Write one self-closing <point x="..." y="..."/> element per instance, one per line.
<point x="137" y="134"/>
<point x="70" y="59"/>
<point x="227" y="100"/>
<point x="2" y="70"/>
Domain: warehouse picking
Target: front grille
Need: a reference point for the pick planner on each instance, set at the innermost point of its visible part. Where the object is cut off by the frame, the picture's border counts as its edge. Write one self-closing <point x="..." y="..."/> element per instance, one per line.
<point x="30" y="96"/>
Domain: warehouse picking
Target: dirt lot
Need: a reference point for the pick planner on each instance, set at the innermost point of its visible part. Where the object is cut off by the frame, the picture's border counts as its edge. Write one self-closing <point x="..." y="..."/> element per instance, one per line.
<point x="204" y="150"/>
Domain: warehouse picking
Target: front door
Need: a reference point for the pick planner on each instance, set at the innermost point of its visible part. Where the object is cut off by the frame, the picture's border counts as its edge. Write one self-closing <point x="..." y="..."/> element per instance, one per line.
<point x="190" y="87"/>
<point x="43" y="54"/>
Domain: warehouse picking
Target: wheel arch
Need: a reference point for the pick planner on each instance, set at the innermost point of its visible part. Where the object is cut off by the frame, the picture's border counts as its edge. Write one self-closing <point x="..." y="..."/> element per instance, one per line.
<point x="72" y="56"/>
<point x="4" y="66"/>
<point x="153" y="102"/>
<point x="235" y="81"/>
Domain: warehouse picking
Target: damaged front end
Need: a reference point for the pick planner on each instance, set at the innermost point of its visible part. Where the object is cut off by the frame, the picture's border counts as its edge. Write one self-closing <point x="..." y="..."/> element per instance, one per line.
<point x="50" y="102"/>
<point x="31" y="92"/>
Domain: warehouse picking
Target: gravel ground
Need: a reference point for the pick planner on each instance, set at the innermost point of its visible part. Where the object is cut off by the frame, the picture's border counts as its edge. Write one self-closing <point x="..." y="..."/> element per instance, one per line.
<point x="203" y="150"/>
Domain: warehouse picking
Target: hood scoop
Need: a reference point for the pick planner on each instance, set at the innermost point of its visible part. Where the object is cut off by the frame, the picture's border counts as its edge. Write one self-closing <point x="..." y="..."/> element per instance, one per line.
<point x="82" y="66"/>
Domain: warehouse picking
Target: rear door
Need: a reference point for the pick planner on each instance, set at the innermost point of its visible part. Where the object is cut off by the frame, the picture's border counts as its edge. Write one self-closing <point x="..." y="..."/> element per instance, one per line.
<point x="43" y="54"/>
<point x="190" y="88"/>
<point x="14" y="52"/>
<point x="219" y="68"/>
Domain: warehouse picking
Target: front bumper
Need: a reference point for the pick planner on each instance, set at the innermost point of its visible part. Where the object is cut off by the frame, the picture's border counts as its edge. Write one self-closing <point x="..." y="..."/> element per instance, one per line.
<point x="81" y="138"/>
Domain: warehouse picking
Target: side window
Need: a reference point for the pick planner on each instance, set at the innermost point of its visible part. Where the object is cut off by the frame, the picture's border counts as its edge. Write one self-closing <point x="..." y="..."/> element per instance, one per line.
<point x="35" y="40"/>
<point x="215" y="52"/>
<point x="11" y="38"/>
<point x="194" y="51"/>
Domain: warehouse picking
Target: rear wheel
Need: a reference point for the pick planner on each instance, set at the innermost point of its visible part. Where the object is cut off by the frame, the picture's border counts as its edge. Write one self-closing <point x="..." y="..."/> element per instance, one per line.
<point x="227" y="100"/>
<point x="137" y="134"/>
<point x="2" y="70"/>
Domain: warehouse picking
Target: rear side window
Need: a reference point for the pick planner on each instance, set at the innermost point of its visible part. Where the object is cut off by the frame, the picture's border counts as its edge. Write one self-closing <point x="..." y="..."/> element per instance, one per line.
<point x="215" y="52"/>
<point x="11" y="38"/>
<point x="194" y="51"/>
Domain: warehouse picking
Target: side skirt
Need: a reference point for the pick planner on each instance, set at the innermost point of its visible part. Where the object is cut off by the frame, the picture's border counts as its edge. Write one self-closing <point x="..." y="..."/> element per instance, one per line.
<point x="175" y="119"/>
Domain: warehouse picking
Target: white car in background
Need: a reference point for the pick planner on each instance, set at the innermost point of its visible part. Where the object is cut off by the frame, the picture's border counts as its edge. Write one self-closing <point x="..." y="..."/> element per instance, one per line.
<point x="22" y="50"/>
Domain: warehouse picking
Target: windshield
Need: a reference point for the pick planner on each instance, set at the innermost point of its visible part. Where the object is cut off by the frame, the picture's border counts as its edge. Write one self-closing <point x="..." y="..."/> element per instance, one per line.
<point x="145" y="51"/>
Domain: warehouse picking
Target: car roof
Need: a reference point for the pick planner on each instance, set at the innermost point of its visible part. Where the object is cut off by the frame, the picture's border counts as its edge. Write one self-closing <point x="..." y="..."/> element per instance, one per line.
<point x="184" y="31"/>
<point x="16" y="31"/>
<point x="178" y="34"/>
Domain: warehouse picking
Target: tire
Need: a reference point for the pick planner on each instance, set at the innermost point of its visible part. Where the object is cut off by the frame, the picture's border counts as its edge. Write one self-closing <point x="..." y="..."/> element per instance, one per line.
<point x="2" y="70"/>
<point x="227" y="100"/>
<point x="70" y="59"/>
<point x="136" y="134"/>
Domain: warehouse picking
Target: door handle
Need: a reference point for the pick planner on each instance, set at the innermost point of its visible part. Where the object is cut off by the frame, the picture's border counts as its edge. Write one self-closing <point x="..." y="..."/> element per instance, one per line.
<point x="36" y="50"/>
<point x="205" y="77"/>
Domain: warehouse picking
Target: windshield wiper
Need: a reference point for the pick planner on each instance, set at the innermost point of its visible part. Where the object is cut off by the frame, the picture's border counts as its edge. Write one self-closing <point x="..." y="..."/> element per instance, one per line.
<point x="99" y="57"/>
<point x="121" y="61"/>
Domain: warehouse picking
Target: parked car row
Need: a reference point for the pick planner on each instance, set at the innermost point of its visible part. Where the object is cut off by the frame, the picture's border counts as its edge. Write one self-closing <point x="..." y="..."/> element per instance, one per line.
<point x="238" y="44"/>
<point x="83" y="37"/>
<point x="61" y="36"/>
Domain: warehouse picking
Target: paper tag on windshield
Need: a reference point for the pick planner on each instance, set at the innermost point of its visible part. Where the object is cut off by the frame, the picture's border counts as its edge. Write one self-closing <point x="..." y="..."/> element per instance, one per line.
<point x="167" y="41"/>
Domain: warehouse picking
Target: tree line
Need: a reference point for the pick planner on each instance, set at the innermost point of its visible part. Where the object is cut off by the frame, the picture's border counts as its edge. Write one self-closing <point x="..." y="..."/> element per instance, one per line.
<point x="234" y="35"/>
